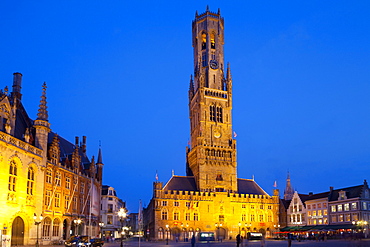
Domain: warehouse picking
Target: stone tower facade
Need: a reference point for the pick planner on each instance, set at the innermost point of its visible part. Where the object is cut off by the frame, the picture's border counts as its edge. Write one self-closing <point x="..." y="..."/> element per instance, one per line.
<point x="211" y="200"/>
<point x="212" y="156"/>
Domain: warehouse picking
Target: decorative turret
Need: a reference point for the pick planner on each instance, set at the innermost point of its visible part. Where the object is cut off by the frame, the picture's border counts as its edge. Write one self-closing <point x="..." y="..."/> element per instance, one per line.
<point x="42" y="124"/>
<point x="17" y="85"/>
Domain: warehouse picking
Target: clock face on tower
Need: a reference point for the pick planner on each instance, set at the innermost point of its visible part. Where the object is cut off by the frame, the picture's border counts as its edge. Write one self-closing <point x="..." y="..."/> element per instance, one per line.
<point x="213" y="64"/>
<point x="217" y="133"/>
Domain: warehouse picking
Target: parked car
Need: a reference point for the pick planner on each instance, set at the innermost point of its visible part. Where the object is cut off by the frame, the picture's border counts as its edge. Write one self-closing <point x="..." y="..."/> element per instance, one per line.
<point x="81" y="241"/>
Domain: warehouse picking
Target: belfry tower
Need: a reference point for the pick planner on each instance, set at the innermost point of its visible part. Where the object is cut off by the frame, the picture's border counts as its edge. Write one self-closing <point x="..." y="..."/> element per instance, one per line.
<point x="211" y="158"/>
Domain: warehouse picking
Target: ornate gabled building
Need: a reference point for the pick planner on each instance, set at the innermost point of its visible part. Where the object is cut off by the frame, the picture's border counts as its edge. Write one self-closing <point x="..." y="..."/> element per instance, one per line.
<point x="210" y="198"/>
<point x="42" y="174"/>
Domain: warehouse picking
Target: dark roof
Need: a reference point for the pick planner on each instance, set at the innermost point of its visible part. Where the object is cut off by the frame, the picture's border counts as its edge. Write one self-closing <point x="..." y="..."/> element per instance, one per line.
<point x="351" y="192"/>
<point x="105" y="189"/>
<point x="249" y="186"/>
<point x="182" y="183"/>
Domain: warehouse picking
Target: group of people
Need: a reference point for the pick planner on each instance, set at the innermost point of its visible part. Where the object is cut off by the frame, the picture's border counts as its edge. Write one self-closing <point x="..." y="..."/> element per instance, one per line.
<point x="240" y="239"/>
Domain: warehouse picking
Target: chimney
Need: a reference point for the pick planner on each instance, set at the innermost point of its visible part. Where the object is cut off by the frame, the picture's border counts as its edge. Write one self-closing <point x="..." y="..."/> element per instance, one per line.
<point x="17" y="85"/>
<point x="84" y="144"/>
<point x="76" y="141"/>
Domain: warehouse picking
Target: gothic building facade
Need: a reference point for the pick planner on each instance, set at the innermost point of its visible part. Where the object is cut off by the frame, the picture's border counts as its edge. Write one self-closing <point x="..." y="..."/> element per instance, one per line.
<point x="49" y="188"/>
<point x="210" y="198"/>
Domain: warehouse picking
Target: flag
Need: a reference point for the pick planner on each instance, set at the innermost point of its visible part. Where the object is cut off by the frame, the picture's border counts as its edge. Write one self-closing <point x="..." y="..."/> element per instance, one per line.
<point x="156" y="176"/>
<point x="235" y="135"/>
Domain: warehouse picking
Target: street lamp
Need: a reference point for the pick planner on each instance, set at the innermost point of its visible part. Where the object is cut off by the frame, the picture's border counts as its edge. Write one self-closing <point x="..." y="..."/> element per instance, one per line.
<point x="122" y="215"/>
<point x="277" y="229"/>
<point x="101" y="224"/>
<point x="37" y="223"/>
<point x="77" y="223"/>
<point x="167" y="234"/>
<point x="361" y="223"/>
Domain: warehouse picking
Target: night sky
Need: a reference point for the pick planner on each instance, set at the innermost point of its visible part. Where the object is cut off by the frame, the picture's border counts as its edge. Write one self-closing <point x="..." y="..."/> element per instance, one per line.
<point x="118" y="72"/>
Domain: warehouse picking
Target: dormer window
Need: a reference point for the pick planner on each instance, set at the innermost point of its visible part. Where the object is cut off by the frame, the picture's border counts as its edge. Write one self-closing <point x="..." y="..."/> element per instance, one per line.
<point x="342" y="195"/>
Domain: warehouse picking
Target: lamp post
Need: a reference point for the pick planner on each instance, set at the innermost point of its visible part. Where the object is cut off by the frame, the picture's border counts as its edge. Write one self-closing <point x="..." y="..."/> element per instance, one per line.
<point x="361" y="224"/>
<point x="101" y="224"/>
<point x="122" y="215"/>
<point x="167" y="234"/>
<point x="277" y="229"/>
<point x="77" y="224"/>
<point x="37" y="220"/>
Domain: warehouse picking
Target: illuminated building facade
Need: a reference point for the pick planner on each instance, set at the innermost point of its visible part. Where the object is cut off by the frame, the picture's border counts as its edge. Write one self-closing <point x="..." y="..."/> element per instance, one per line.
<point x="211" y="198"/>
<point x="110" y="205"/>
<point x="42" y="174"/>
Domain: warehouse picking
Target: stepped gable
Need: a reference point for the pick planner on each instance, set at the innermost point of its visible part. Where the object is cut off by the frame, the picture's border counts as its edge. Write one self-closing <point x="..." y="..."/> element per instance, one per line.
<point x="181" y="183"/>
<point x="249" y="186"/>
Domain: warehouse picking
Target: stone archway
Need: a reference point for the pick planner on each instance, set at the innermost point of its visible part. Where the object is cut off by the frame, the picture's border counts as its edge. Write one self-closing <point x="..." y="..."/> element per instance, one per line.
<point x="220" y="233"/>
<point x="18" y="231"/>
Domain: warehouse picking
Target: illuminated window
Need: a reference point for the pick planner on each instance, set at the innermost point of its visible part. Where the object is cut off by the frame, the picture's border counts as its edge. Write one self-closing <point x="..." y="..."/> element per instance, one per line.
<point x="12" y="176"/>
<point x="57" y="179"/>
<point x="56" y="224"/>
<point x="314" y="213"/>
<point x="308" y="206"/>
<point x="110" y="208"/>
<point x="204" y="41"/>
<point x="341" y="218"/>
<point x="74" y="203"/>
<point x="348" y="217"/>
<point x="30" y="181"/>
<point x="82" y="187"/>
<point x="66" y="201"/>
<point x="48" y="176"/>
<point x="346" y="207"/>
<point x="354" y="205"/>
<point x="313" y="206"/>
<point x="324" y="205"/>
<point x="68" y="183"/>
<point x="319" y="205"/>
<point x="57" y="200"/>
<point x="325" y="212"/>
<point x="354" y="216"/>
<point x="213" y="42"/>
<point x="164" y="215"/>
<point x="110" y="219"/>
<point x="46" y="227"/>
<point x="187" y="216"/>
<point x="319" y="212"/>
<point x="333" y="208"/>
<point x="364" y="205"/>
<point x="340" y="208"/>
<point x="176" y="216"/>
<point x="309" y="213"/>
<point x="47" y="198"/>
<point x="196" y="217"/>
<point x="333" y="218"/>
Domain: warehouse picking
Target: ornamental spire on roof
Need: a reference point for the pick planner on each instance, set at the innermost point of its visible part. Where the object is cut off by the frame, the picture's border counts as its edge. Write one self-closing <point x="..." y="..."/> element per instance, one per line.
<point x="288" y="192"/>
<point x="43" y="112"/>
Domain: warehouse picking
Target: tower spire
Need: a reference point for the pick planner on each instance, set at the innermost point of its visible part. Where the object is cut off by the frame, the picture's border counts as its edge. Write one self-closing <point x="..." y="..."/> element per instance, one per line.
<point x="288" y="192"/>
<point x="43" y="112"/>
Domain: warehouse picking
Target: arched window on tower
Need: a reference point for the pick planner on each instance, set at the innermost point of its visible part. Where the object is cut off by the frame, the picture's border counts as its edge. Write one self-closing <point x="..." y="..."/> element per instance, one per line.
<point x="30" y="181"/>
<point x="12" y="176"/>
<point x="204" y="41"/>
<point x="213" y="42"/>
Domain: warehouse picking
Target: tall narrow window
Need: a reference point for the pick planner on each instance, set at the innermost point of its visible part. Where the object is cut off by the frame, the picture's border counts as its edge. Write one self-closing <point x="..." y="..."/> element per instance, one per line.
<point x="48" y="176"/>
<point x="12" y="176"/>
<point x="46" y="227"/>
<point x="56" y="224"/>
<point x="57" y="179"/>
<point x="30" y="181"/>
<point x="57" y="200"/>
<point x="68" y="183"/>
<point x="176" y="216"/>
<point x="47" y="198"/>
<point x="204" y="41"/>
<point x="164" y="215"/>
<point x="213" y="42"/>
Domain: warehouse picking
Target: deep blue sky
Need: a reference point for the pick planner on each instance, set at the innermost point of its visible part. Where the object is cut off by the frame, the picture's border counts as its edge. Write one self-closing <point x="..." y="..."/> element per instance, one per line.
<point x="118" y="72"/>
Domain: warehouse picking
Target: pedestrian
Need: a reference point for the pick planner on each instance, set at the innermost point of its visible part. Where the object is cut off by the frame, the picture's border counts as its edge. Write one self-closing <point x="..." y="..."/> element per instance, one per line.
<point x="193" y="241"/>
<point x="237" y="240"/>
<point x="262" y="241"/>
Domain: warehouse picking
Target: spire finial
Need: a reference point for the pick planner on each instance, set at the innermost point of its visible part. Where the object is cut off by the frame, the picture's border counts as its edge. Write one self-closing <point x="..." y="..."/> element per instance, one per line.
<point x="43" y="112"/>
<point x="100" y="157"/>
<point x="207" y="8"/>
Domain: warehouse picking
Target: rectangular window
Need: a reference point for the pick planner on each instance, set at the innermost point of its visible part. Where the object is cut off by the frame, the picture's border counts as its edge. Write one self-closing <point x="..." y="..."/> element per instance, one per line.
<point x="68" y="183"/>
<point x="164" y="215"/>
<point x="325" y="212"/>
<point x="187" y="204"/>
<point x="346" y="207"/>
<point x="47" y="198"/>
<point x="243" y="206"/>
<point x="176" y="216"/>
<point x="334" y="208"/>
<point x="364" y="205"/>
<point x="196" y="217"/>
<point x="333" y="218"/>
<point x="244" y="217"/>
<point x="221" y="218"/>
<point x="74" y="203"/>
<point x="164" y="203"/>
<point x="340" y="208"/>
<point x="109" y="219"/>
<point x="82" y="188"/>
<point x="313" y="206"/>
<point x="324" y="205"/>
<point x="319" y="205"/>
<point x="308" y="206"/>
<point x="110" y="208"/>
<point x="319" y="212"/>
<point x="57" y="200"/>
<point x="354" y="205"/>
<point x="348" y="217"/>
<point x="252" y="217"/>
<point x="269" y="207"/>
<point x="261" y="218"/>
<point x="187" y="216"/>
<point x="176" y="204"/>
<point x="261" y="206"/>
<point x="252" y="206"/>
<point x="309" y="213"/>
<point x="314" y="213"/>
<point x="341" y="218"/>
<point x="269" y="218"/>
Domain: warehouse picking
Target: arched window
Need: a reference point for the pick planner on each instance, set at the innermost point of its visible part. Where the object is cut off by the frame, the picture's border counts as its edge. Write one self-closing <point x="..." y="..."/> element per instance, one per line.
<point x="160" y="233"/>
<point x="56" y="224"/>
<point x="204" y="41"/>
<point x="12" y="176"/>
<point x="213" y="41"/>
<point x="30" y="181"/>
<point x="46" y="227"/>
